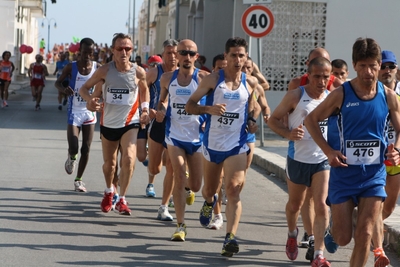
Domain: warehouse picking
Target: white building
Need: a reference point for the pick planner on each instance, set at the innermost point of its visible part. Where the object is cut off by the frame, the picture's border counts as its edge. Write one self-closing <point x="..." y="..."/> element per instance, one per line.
<point x="19" y="20"/>
<point x="300" y="25"/>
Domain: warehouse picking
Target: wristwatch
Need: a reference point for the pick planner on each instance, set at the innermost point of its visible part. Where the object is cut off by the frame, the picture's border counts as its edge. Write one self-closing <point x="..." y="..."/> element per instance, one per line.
<point x="398" y="150"/>
<point x="253" y="120"/>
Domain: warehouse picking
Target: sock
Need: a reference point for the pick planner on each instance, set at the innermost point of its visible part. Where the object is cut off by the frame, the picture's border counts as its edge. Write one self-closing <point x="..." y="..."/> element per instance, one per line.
<point x="293" y="233"/>
<point x="318" y="252"/>
<point x="311" y="237"/>
<point x="219" y="215"/>
<point x="109" y="190"/>
<point x="122" y="198"/>
<point x="164" y="206"/>
<point x="78" y="179"/>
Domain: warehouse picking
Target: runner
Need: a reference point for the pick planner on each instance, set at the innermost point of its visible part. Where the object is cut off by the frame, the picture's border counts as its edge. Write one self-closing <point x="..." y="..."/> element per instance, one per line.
<point x="362" y="108"/>
<point x="6" y="70"/>
<point x="123" y="92"/>
<point x="79" y="118"/>
<point x="228" y="98"/>
<point x="340" y="69"/>
<point x="59" y="67"/>
<point x="37" y="72"/>
<point x="307" y="168"/>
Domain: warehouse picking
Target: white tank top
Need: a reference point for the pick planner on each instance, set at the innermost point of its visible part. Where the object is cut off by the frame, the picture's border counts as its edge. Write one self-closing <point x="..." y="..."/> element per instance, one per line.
<point x="180" y="125"/>
<point x="306" y="150"/>
<point x="120" y="98"/>
<point x="77" y="103"/>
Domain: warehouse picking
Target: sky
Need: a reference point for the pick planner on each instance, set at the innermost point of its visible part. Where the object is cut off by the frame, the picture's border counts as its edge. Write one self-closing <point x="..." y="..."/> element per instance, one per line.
<point x="97" y="19"/>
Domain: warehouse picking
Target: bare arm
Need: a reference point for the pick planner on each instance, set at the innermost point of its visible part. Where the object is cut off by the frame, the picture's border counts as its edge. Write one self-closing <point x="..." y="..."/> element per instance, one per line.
<point x="30" y="71"/>
<point x="260" y="77"/>
<point x="262" y="100"/>
<point x="144" y="95"/>
<point x="92" y="103"/>
<point x="206" y="85"/>
<point x="294" y="83"/>
<point x="163" y="102"/>
<point x="151" y="77"/>
<point x="286" y="106"/>
<point x="329" y="106"/>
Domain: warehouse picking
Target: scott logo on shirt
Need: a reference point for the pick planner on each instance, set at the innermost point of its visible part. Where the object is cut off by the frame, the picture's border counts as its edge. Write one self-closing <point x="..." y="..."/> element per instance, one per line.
<point x="355" y="104"/>
<point x="233" y="96"/>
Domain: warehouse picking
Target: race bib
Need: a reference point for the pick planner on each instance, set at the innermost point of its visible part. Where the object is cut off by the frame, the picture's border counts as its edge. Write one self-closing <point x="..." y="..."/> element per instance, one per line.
<point x="391" y="134"/>
<point x="37" y="76"/>
<point x="360" y="152"/>
<point x="78" y="100"/>
<point x="118" y="96"/>
<point x="180" y="113"/>
<point x="323" y="125"/>
<point x="228" y="121"/>
<point x="5" y="69"/>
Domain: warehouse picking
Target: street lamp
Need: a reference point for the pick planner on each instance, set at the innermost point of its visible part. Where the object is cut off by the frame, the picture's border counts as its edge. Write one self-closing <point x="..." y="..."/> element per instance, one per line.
<point x="48" y="30"/>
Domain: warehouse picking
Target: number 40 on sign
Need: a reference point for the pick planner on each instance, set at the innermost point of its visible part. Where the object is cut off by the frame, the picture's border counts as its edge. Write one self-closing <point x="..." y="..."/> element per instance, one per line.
<point x="257" y="21"/>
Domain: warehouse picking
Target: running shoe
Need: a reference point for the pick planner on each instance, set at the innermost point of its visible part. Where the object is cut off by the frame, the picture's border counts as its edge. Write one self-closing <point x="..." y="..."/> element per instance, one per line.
<point x="150" y="191"/>
<point x="320" y="261"/>
<point x="381" y="260"/>
<point x="106" y="203"/>
<point x="206" y="212"/>
<point x="163" y="214"/>
<point x="114" y="200"/>
<point x="70" y="165"/>
<point x="291" y="247"/>
<point x="330" y="244"/>
<point x="171" y="203"/>
<point x="122" y="207"/>
<point x="65" y="101"/>
<point x="79" y="186"/>
<point x="304" y="241"/>
<point x="216" y="223"/>
<point x="180" y="232"/>
<point x="59" y="107"/>
<point x="310" y="250"/>
<point x="37" y="107"/>
<point x="230" y="246"/>
<point x="190" y="197"/>
<point x="5" y="104"/>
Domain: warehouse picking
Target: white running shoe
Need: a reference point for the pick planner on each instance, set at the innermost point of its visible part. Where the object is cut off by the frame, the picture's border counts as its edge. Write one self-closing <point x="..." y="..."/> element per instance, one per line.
<point x="163" y="214"/>
<point x="70" y="165"/>
<point x="79" y="186"/>
<point x="216" y="223"/>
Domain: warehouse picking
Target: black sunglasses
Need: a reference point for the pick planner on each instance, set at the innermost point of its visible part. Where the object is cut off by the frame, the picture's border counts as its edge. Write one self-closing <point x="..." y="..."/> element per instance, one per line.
<point x="392" y="67"/>
<point x="187" y="52"/>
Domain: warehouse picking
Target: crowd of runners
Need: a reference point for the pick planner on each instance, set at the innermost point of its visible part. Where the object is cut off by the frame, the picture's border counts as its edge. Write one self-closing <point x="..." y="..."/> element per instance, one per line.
<point x="200" y="125"/>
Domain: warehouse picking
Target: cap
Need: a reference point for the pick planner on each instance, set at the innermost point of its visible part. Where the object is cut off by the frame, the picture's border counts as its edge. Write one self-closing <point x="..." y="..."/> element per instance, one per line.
<point x="388" y="56"/>
<point x="154" y="59"/>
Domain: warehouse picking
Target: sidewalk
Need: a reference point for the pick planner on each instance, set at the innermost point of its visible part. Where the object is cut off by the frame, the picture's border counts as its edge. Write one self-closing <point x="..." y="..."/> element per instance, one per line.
<point x="272" y="158"/>
<point x="18" y="85"/>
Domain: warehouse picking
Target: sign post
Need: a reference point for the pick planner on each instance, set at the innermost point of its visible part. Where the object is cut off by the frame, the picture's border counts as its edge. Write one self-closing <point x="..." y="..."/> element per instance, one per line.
<point x="258" y="21"/>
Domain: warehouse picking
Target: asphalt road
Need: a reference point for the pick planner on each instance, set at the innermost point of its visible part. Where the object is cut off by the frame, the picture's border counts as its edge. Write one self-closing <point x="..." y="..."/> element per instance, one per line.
<point x="43" y="222"/>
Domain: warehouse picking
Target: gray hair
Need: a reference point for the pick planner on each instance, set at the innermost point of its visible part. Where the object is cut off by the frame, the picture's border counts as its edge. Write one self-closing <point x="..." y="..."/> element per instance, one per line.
<point x="170" y="42"/>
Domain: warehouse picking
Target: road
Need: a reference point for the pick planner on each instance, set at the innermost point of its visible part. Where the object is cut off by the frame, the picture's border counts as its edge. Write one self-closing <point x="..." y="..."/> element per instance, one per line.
<point x="43" y="222"/>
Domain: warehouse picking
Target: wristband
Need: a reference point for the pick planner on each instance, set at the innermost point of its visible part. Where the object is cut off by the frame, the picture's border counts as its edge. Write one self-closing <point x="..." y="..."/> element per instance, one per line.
<point x="145" y="105"/>
<point x="252" y="119"/>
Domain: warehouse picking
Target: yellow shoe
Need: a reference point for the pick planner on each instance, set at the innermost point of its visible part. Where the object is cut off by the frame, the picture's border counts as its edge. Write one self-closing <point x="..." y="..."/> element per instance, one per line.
<point x="180" y="233"/>
<point x="190" y="197"/>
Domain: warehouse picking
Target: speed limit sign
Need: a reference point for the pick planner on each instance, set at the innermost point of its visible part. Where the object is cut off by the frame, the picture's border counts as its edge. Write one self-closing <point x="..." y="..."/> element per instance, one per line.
<point x="257" y="21"/>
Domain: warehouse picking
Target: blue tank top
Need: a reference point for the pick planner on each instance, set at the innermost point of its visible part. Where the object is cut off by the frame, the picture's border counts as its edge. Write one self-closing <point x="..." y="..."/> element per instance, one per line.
<point x="362" y="140"/>
<point x="155" y="89"/>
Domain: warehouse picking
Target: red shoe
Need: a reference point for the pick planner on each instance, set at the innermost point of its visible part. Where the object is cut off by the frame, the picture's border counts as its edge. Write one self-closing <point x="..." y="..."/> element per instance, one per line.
<point x="291" y="247"/>
<point x="106" y="203"/>
<point x="122" y="207"/>
<point x="381" y="260"/>
<point x="320" y="261"/>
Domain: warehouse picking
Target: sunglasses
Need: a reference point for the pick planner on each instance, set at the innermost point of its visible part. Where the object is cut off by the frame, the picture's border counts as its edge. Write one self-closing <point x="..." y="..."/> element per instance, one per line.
<point x="127" y="49"/>
<point x="187" y="52"/>
<point x="392" y="67"/>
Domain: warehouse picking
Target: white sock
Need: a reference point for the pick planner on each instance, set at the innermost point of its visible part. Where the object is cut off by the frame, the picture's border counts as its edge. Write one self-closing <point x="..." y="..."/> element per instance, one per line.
<point x="318" y="252"/>
<point x="293" y="234"/>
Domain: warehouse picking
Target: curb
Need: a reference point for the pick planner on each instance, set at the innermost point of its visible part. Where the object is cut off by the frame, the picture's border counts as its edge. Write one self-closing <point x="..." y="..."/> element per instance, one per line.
<point x="275" y="165"/>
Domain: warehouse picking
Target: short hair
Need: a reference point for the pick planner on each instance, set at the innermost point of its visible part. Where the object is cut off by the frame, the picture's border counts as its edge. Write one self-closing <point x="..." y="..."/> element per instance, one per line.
<point x="366" y="48"/>
<point x="170" y="42"/>
<point x="235" y="42"/>
<point x="318" y="61"/>
<point x="339" y="63"/>
<point x="138" y="57"/>
<point x="86" y="41"/>
<point x="119" y="36"/>
<point x="6" y="52"/>
<point x="216" y="58"/>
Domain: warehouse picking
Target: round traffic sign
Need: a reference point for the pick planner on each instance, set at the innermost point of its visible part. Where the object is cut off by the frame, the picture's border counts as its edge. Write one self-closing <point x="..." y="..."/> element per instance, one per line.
<point x="257" y="21"/>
